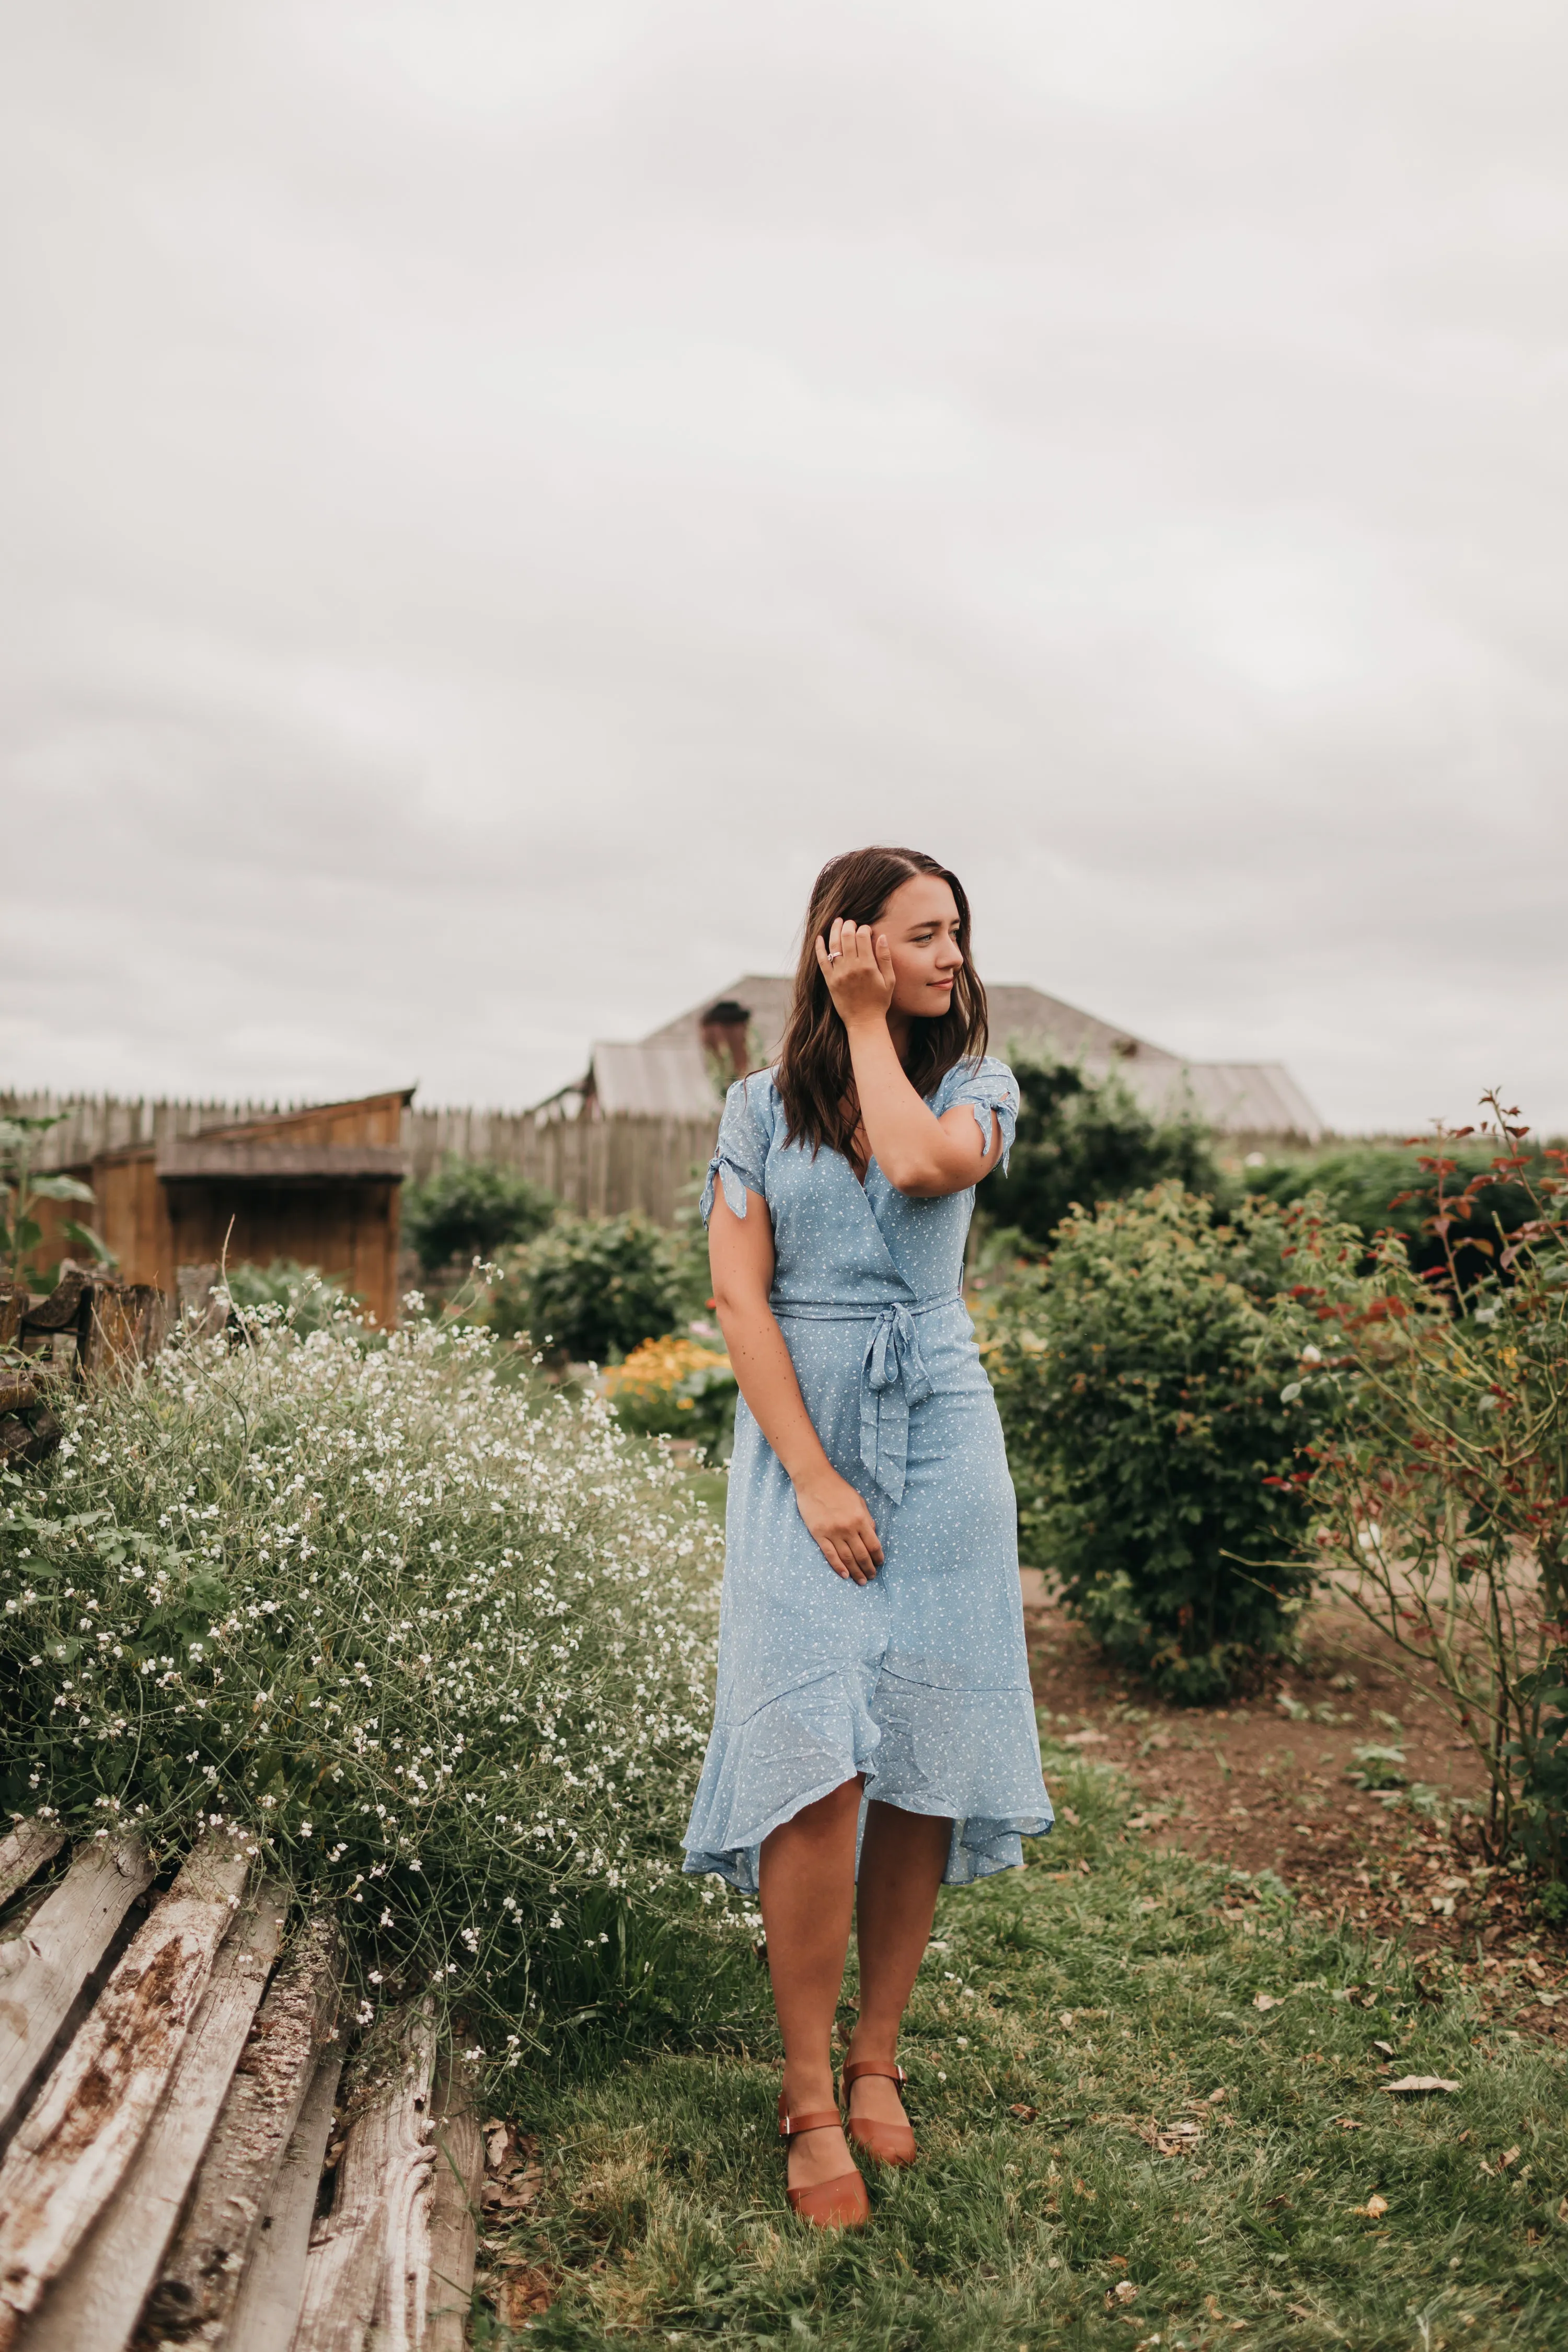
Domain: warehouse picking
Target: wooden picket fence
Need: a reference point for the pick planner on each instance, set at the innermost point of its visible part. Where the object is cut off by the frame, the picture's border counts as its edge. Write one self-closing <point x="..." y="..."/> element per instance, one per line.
<point x="187" y="2159"/>
<point x="599" y="1167"/>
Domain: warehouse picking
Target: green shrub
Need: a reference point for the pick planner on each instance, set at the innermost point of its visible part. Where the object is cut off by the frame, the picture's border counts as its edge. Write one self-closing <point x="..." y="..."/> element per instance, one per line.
<point x="593" y="1288"/>
<point x="1393" y="1188"/>
<point x="1149" y="1395"/>
<point x="1082" y="1140"/>
<point x="472" y="1208"/>
<point x="443" y="1644"/>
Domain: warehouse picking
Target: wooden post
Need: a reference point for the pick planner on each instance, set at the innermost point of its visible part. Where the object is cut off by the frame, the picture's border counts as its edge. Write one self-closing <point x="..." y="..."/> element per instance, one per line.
<point x="200" y="2280"/>
<point x="124" y="1325"/>
<point x="43" y="1969"/>
<point x="24" y="1851"/>
<point x="370" y="2260"/>
<point x="267" y="2308"/>
<point x="459" y="2176"/>
<point x="73" y="2148"/>
<point x="97" y="2300"/>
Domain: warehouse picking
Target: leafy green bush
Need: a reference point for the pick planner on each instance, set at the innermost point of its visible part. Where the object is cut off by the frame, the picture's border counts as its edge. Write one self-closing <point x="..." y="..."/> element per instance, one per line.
<point x="593" y="1288"/>
<point x="1394" y="1188"/>
<point x="1440" y="1487"/>
<point x="442" y="1643"/>
<point x="1082" y="1140"/>
<point x="472" y="1208"/>
<point x="1149" y="1390"/>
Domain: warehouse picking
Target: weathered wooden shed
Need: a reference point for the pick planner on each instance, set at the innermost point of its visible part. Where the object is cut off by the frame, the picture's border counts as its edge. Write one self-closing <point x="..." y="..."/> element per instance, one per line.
<point x="319" y="1185"/>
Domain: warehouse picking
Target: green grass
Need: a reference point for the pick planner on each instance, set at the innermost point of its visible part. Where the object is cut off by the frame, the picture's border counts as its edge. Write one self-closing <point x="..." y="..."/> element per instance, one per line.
<point x="663" y="2212"/>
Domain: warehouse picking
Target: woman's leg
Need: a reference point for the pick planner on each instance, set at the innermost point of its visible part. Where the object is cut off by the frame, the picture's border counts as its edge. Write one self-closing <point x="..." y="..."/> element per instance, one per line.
<point x="903" y="1858"/>
<point x="806" y="1881"/>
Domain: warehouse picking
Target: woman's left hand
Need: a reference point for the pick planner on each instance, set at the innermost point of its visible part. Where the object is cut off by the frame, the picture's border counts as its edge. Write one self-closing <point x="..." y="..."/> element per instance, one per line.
<point x="858" y="965"/>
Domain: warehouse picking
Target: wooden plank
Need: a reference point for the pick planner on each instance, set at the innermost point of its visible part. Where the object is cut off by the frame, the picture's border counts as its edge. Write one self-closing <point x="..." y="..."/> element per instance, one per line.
<point x="201" y="2275"/>
<point x="267" y="2307"/>
<point x="44" y="1969"/>
<point x="24" y="1852"/>
<point x="97" y="2299"/>
<point x="460" y="2175"/>
<point x="370" y="2259"/>
<point x="73" y="2149"/>
<point x="217" y="1157"/>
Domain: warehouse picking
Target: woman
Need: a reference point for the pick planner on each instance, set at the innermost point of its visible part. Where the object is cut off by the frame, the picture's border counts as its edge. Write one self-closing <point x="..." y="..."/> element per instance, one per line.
<point x="874" y="1719"/>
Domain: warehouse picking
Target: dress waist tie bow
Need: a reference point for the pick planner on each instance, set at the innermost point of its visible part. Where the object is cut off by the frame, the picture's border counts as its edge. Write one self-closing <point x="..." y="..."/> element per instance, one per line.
<point x="893" y="1378"/>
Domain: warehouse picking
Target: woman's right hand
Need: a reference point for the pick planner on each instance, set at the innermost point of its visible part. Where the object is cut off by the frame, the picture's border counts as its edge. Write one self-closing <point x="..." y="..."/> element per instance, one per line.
<point x="843" y="1530"/>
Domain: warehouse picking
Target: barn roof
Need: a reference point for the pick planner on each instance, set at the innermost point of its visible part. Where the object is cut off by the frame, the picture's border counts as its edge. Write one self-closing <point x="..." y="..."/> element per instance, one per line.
<point x="1233" y="1097"/>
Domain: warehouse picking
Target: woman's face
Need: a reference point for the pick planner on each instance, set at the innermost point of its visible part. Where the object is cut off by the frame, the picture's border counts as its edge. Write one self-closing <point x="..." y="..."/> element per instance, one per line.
<point x="920" y="925"/>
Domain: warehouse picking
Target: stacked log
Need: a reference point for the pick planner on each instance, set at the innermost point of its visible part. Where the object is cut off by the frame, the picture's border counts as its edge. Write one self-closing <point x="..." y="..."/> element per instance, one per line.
<point x="90" y="1324"/>
<point x="168" y="2087"/>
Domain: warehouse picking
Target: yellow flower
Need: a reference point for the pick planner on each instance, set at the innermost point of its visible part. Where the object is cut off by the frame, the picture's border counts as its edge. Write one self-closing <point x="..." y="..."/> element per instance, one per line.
<point x="660" y="1365"/>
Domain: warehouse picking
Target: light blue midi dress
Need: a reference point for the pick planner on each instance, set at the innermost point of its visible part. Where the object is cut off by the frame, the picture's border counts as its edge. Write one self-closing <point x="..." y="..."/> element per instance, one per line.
<point x="920" y="1678"/>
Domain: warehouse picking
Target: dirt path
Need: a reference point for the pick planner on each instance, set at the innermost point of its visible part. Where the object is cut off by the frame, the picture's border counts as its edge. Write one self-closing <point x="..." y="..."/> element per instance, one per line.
<point x="1268" y="1786"/>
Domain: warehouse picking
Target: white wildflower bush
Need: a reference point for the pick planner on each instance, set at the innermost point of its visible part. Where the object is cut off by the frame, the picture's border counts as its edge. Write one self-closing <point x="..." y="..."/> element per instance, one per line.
<point x="439" y="1638"/>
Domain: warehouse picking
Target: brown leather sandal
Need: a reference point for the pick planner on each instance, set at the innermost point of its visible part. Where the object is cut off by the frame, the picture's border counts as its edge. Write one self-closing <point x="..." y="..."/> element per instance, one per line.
<point x="883" y="2143"/>
<point x="840" y="2203"/>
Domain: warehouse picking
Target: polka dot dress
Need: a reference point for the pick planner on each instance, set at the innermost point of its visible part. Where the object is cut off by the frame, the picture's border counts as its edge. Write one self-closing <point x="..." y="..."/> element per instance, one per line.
<point x="920" y="1678"/>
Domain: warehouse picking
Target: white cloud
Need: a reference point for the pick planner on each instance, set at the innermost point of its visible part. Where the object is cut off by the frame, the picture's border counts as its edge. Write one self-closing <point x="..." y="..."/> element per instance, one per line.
<point x="492" y="497"/>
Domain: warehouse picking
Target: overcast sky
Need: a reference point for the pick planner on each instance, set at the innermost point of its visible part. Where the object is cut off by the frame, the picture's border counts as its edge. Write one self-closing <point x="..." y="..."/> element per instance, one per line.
<point x="492" y="495"/>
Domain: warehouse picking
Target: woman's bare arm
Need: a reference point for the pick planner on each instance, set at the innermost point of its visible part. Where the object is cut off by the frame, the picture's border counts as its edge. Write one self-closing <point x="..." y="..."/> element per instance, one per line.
<point x="916" y="1151"/>
<point x="740" y="1254"/>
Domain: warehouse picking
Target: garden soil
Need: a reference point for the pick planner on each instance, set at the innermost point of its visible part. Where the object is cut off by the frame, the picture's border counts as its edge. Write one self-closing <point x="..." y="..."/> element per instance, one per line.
<point x="1267" y="1786"/>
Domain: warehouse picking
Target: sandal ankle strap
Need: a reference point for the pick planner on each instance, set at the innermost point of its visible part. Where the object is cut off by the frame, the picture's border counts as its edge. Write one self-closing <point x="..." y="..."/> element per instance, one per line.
<point x="790" y="2126"/>
<point x="860" y="2066"/>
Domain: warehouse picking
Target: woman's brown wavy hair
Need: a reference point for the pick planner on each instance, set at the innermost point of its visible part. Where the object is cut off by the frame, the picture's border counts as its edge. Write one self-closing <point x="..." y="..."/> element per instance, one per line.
<point x="814" y="1076"/>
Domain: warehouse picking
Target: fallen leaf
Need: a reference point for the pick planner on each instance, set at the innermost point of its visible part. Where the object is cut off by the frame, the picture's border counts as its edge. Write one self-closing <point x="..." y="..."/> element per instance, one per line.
<point x="1124" y="2290"/>
<point x="1025" y="2114"/>
<point x="1387" y="2048"/>
<point x="1085" y="1738"/>
<point x="514" y="2195"/>
<point x="1212" y="2307"/>
<point x="1347" y="2123"/>
<point x="1264" y="2001"/>
<point x="1511" y="2157"/>
<point x="1215" y="2096"/>
<point x="1299" y="2311"/>
<point x="1562" y="2211"/>
<point x="1066" y="1814"/>
<point x="523" y="2294"/>
<point x="496" y="2138"/>
<point x="1423" y="2083"/>
<point x="1375" y="2209"/>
